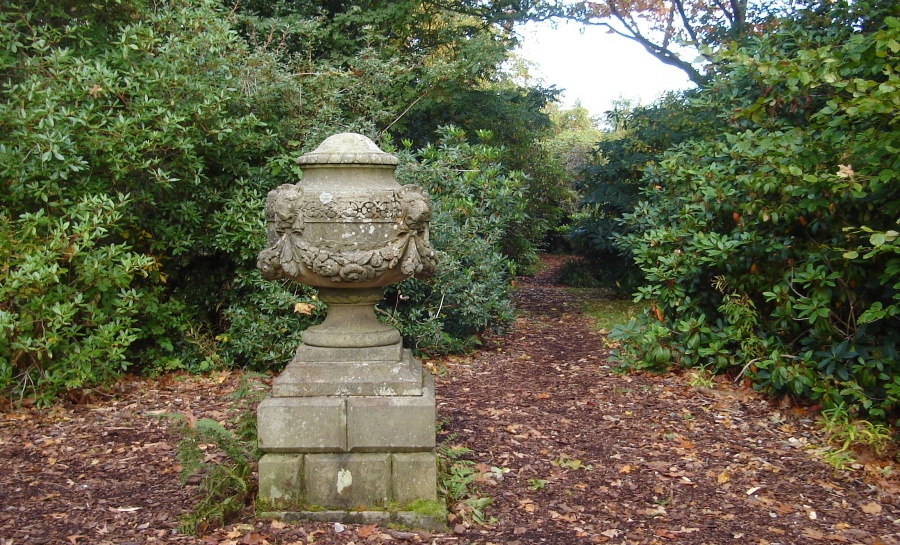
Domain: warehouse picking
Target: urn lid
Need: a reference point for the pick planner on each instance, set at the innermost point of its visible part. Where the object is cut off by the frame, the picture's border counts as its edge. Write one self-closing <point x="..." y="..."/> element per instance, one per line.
<point x="345" y="149"/>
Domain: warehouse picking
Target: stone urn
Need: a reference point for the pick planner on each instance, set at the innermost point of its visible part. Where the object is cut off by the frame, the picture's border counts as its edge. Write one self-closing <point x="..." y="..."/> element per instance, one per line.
<point x="350" y="422"/>
<point x="349" y="229"/>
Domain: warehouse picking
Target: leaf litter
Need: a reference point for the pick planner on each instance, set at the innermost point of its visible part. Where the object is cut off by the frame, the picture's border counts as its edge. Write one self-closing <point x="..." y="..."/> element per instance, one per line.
<point x="569" y="451"/>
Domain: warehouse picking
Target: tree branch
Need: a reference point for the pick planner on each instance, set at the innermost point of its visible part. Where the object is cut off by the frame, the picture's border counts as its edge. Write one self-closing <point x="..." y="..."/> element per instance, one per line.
<point x="728" y="14"/>
<point x="670" y="25"/>
<point x="663" y="55"/>
<point x="685" y="20"/>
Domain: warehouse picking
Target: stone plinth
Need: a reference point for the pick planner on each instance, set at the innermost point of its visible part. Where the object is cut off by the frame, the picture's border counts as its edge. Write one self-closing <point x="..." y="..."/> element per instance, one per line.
<point x="349" y="430"/>
<point x="345" y="440"/>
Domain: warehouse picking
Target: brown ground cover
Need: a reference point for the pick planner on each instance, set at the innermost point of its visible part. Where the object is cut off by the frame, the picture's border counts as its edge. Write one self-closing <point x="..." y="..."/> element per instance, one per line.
<point x="569" y="451"/>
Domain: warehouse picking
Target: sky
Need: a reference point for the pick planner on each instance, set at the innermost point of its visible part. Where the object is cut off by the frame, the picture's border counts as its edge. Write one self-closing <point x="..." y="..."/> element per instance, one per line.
<point x="596" y="67"/>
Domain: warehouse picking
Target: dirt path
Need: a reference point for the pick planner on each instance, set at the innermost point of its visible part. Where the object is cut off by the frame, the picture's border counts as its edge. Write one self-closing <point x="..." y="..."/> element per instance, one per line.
<point x="568" y="451"/>
<point x="650" y="458"/>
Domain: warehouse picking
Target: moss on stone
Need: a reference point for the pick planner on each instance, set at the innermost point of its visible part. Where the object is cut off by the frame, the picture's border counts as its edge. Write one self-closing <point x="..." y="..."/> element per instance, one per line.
<point x="428" y="508"/>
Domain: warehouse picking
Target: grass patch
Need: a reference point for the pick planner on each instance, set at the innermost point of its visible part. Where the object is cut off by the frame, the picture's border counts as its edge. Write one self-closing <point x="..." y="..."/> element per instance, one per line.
<point x="428" y="508"/>
<point x="607" y="313"/>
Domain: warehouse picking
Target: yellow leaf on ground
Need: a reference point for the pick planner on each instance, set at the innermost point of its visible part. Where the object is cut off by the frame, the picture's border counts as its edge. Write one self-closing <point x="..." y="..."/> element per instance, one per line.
<point x="367" y="530"/>
<point x="723" y="477"/>
<point x="812" y="533"/>
<point x="871" y="508"/>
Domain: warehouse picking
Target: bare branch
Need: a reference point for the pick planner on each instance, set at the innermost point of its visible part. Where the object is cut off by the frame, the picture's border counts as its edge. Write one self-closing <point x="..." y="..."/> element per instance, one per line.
<point x="663" y="55"/>
<point x="670" y="27"/>
<point x="728" y="14"/>
<point x="685" y="20"/>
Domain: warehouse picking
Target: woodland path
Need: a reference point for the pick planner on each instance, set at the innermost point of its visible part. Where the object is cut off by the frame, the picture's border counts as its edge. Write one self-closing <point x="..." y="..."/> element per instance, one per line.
<point x="569" y="451"/>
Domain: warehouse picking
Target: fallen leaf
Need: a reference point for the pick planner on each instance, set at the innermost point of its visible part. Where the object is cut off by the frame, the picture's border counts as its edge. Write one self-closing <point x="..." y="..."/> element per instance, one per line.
<point x="871" y="508"/>
<point x="189" y="418"/>
<point x="304" y="308"/>
<point x="367" y="530"/>
<point x="611" y="533"/>
<point x="542" y="395"/>
<point x="723" y="477"/>
<point x="74" y="538"/>
<point x="626" y="469"/>
<point x="253" y="539"/>
<point x="557" y="516"/>
<point x="812" y="533"/>
<point x="660" y="532"/>
<point x="278" y="525"/>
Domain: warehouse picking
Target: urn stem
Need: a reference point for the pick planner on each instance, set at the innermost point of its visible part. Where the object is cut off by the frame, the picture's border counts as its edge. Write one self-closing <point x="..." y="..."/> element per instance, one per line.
<point x="351" y="321"/>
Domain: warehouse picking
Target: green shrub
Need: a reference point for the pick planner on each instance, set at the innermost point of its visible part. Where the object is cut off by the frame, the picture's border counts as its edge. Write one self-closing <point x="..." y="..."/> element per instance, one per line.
<point x="266" y="319"/>
<point x="167" y="103"/>
<point x="771" y="250"/>
<point x="475" y="201"/>
<point x="69" y="299"/>
<point x="611" y="185"/>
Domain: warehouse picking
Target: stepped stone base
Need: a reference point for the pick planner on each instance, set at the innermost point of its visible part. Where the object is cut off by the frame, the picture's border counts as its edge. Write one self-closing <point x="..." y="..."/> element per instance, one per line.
<point x="375" y="371"/>
<point x="336" y="440"/>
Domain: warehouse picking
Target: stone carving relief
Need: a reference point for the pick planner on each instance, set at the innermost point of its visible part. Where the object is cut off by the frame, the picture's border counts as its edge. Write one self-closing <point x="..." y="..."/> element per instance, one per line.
<point x="372" y="207"/>
<point x="288" y="254"/>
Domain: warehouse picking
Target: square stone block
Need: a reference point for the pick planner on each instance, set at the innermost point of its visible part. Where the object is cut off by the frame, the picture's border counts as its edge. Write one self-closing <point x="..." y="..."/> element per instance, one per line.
<point x="281" y="478"/>
<point x="348" y="481"/>
<point x="392" y="423"/>
<point x="302" y="424"/>
<point x="414" y="477"/>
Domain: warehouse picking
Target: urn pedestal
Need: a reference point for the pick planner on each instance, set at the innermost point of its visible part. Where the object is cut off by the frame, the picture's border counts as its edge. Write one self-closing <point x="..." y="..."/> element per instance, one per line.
<point x="349" y="429"/>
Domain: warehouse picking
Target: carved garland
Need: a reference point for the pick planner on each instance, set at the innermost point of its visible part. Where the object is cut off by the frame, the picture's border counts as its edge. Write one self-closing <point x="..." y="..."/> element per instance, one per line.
<point x="288" y="253"/>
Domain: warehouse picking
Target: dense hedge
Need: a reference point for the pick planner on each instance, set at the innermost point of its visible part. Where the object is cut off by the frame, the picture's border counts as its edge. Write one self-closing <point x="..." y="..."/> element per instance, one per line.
<point x="135" y="156"/>
<point x="771" y="249"/>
